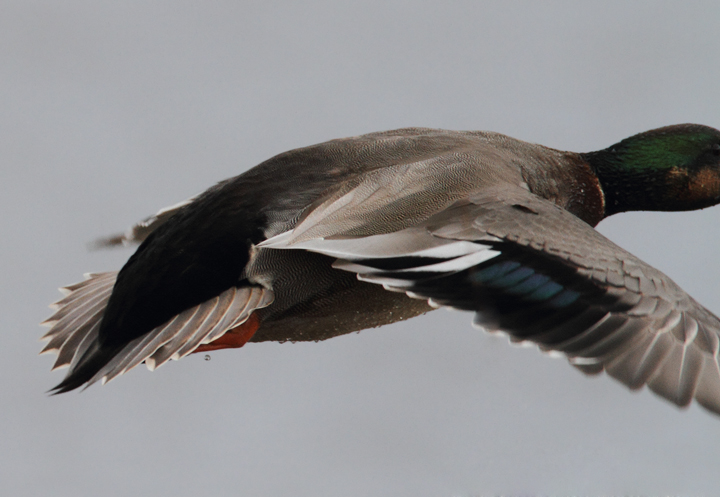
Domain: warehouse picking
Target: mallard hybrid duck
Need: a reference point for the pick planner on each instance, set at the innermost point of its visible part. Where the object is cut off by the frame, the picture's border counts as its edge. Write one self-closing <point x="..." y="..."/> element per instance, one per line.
<point x="364" y="231"/>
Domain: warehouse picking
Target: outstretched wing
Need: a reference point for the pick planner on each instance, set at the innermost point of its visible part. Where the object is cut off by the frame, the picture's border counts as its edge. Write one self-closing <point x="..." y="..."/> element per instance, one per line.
<point x="140" y="231"/>
<point x="540" y="274"/>
<point x="74" y="328"/>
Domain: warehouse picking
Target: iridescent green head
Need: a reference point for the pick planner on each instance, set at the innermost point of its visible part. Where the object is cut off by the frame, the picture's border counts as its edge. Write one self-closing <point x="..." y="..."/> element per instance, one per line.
<point x="674" y="168"/>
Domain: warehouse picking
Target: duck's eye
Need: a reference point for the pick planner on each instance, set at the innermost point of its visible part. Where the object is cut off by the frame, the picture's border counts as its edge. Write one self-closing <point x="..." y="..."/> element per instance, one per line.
<point x="716" y="149"/>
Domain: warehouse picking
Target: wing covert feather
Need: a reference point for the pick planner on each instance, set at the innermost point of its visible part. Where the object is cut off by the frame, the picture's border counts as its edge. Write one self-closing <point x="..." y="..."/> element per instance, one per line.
<point x="551" y="279"/>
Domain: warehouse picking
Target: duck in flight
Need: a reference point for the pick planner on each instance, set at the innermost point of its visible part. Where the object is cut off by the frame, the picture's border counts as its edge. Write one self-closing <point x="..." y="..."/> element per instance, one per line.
<point x="369" y="230"/>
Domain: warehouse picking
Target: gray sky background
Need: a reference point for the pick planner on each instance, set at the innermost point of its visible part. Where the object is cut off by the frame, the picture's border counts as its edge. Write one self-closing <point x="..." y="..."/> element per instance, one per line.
<point x="112" y="110"/>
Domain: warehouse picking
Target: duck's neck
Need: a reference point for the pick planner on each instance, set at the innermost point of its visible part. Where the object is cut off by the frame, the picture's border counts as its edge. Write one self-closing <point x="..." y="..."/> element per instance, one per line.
<point x="655" y="171"/>
<point x="626" y="187"/>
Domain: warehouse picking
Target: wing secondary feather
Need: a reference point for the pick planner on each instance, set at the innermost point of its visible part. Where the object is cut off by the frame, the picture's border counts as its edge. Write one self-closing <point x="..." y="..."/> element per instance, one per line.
<point x="542" y="275"/>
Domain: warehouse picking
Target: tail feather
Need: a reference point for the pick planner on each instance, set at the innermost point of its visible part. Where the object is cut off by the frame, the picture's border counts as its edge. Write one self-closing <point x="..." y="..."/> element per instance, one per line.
<point x="78" y="316"/>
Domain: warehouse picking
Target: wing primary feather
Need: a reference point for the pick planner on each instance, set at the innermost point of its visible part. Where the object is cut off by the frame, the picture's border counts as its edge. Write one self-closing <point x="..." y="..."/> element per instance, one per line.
<point x="259" y="298"/>
<point x="78" y="317"/>
<point x="75" y="326"/>
<point x="708" y="386"/>
<point x="611" y="340"/>
<point x="63" y="311"/>
<point x="231" y="314"/>
<point x="628" y="366"/>
<point x="102" y="374"/>
<point x="148" y="344"/>
<point x="88" y="339"/>
<point x="184" y="333"/>
<point x="77" y="311"/>
<point x="689" y="375"/>
<point x="70" y="347"/>
<point x="79" y="290"/>
<point x="212" y="322"/>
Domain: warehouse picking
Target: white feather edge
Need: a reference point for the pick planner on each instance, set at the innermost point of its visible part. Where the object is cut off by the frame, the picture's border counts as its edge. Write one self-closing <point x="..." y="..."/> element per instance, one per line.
<point x="411" y="242"/>
<point x="74" y="325"/>
<point x="668" y="377"/>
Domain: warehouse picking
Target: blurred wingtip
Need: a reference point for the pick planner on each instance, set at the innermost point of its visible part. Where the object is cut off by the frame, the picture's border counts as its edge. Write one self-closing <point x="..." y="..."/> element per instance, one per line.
<point x="113" y="241"/>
